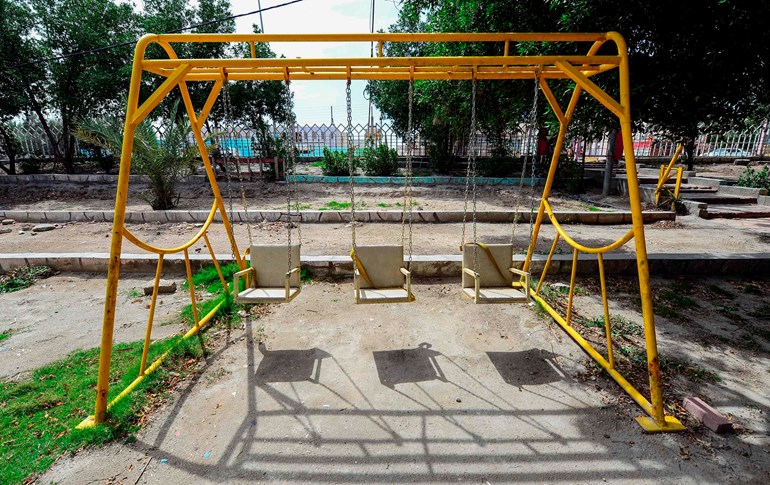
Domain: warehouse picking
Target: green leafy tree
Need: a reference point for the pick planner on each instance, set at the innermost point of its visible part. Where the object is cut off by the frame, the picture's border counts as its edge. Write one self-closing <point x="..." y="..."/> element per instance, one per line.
<point x="696" y="66"/>
<point x="82" y="85"/>
<point x="17" y="84"/>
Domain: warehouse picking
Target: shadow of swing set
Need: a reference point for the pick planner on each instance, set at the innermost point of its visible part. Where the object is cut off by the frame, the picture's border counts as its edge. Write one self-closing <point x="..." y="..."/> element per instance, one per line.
<point x="381" y="274"/>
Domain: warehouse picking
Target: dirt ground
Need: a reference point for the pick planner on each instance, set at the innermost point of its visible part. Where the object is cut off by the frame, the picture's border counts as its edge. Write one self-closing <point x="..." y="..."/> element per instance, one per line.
<point x="63" y="313"/>
<point x="689" y="234"/>
<point x="437" y="391"/>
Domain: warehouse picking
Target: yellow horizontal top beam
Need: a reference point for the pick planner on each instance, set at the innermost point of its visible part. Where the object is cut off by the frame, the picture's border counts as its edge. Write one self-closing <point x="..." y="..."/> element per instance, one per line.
<point x="382" y="37"/>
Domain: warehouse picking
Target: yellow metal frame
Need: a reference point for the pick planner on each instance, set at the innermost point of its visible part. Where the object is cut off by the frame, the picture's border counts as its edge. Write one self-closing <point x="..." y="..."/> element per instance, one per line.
<point x="665" y="175"/>
<point x="179" y="72"/>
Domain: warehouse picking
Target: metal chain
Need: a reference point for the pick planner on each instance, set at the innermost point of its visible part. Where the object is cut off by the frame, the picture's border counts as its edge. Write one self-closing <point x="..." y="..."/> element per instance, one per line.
<point x="531" y="130"/>
<point x="230" y="132"/>
<point x="351" y="167"/>
<point x="288" y="147"/>
<point x="406" y="210"/>
<point x="472" y="161"/>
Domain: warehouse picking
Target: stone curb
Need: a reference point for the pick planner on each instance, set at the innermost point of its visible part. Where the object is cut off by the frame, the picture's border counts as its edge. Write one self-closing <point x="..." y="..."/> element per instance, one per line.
<point x="423" y="266"/>
<point x="195" y="216"/>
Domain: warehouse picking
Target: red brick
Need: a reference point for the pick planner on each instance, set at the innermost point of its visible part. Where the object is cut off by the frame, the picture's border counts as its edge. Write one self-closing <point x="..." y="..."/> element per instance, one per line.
<point x="707" y="415"/>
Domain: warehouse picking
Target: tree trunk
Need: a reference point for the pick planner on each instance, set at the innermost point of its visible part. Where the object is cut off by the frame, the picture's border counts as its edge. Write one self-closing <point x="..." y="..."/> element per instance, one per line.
<point x="44" y="123"/>
<point x="10" y="151"/>
<point x="69" y="144"/>
<point x="611" y="145"/>
<point x="689" y="148"/>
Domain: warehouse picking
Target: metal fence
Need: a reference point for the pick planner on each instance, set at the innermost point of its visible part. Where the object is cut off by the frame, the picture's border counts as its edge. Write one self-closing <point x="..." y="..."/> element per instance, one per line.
<point x="312" y="139"/>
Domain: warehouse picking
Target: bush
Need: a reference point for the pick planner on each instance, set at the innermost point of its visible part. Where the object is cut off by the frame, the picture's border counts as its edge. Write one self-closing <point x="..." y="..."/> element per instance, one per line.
<point x="500" y="164"/>
<point x="757" y="179"/>
<point x="335" y="164"/>
<point x="441" y="159"/>
<point x="569" y="175"/>
<point x="380" y="161"/>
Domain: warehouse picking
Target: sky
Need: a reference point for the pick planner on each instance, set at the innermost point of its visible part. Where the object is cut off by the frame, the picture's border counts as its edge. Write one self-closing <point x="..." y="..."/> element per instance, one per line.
<point x="313" y="100"/>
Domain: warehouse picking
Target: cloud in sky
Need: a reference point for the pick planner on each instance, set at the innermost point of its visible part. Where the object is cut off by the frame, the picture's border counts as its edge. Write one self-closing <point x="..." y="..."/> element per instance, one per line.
<point x="314" y="99"/>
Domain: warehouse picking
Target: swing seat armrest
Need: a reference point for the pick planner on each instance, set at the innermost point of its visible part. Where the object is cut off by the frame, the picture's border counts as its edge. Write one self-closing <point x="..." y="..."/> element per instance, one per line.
<point x="288" y="280"/>
<point x="518" y="272"/>
<point x="244" y="273"/>
<point x="476" y="282"/>
<point x="408" y="275"/>
<point x="525" y="286"/>
<point x="357" y="282"/>
<point x="470" y="272"/>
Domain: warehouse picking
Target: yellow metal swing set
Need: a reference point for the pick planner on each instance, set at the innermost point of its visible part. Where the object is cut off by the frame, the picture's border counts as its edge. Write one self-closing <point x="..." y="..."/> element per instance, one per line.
<point x="179" y="72"/>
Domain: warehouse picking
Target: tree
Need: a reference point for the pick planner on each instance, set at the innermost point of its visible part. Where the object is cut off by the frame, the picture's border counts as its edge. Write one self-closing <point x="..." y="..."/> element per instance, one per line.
<point x="17" y="46"/>
<point x="696" y="65"/>
<point x="81" y="85"/>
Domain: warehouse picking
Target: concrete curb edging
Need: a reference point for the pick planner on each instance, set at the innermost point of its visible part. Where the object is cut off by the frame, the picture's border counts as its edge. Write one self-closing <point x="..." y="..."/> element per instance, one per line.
<point x="315" y="216"/>
<point x="423" y="266"/>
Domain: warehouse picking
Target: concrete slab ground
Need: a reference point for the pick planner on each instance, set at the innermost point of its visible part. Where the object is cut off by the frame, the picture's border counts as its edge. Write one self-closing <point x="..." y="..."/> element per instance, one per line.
<point x="437" y="391"/>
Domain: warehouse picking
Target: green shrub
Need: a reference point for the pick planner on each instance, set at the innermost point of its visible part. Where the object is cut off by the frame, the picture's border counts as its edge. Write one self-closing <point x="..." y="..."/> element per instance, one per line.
<point x="758" y="179"/>
<point x="500" y="164"/>
<point x="441" y="159"/>
<point x="335" y="163"/>
<point x="380" y="161"/>
<point x="569" y="175"/>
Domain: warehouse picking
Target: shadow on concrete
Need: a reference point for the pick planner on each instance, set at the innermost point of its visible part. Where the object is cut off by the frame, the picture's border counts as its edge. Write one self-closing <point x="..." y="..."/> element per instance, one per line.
<point x="289" y="365"/>
<point x="526" y="368"/>
<point x="408" y="365"/>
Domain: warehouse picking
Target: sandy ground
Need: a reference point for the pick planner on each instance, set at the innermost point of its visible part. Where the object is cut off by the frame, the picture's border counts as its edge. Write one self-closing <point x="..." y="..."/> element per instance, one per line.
<point x="63" y="313"/>
<point x="432" y="392"/>
<point x="690" y="234"/>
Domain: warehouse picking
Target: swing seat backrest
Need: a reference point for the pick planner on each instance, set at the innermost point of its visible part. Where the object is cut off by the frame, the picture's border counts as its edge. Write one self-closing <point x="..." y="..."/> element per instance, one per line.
<point x="383" y="266"/>
<point x="271" y="263"/>
<point x="489" y="274"/>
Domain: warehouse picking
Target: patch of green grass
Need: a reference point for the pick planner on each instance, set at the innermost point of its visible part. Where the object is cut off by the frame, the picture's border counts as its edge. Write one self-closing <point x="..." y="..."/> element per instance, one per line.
<point x="208" y="279"/>
<point x="382" y="204"/>
<point x="620" y="326"/>
<point x="319" y="163"/>
<point x="635" y="355"/>
<point x="304" y="207"/>
<point x="692" y="372"/>
<point x="134" y="293"/>
<point x="751" y="289"/>
<point x="38" y="414"/>
<point x="23" y="277"/>
<point x="334" y="205"/>
<point x="665" y="311"/>
<point x="6" y="334"/>
<point x="305" y="275"/>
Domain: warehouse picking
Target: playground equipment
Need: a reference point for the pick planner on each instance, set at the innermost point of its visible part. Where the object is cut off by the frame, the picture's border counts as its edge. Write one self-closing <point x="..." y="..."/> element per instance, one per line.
<point x="378" y="272"/>
<point x="577" y="68"/>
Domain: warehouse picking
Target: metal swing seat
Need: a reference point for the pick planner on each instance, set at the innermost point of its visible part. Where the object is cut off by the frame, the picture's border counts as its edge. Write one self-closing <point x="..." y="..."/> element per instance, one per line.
<point x="273" y="275"/>
<point x="266" y="280"/>
<point x="493" y="280"/>
<point x="379" y="275"/>
<point x="488" y="275"/>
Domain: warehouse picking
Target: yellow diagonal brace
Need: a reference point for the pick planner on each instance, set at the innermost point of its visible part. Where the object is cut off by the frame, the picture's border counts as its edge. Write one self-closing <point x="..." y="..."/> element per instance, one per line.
<point x="591" y="87"/>
<point x="552" y="100"/>
<point x="159" y="94"/>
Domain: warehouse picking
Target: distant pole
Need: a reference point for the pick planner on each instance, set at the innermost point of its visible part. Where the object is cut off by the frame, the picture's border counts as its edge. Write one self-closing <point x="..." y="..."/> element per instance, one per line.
<point x="261" y="22"/>
<point x="331" y="109"/>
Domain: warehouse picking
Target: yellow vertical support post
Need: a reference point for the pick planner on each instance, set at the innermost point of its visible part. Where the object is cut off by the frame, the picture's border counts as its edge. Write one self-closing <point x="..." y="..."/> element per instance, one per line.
<point x="191" y="287"/>
<point x="116" y="244"/>
<point x="659" y="421"/>
<point x="216" y="264"/>
<point x="606" y="308"/>
<point x="548" y="262"/>
<point x="678" y="185"/>
<point x="571" y="295"/>
<point x="151" y="316"/>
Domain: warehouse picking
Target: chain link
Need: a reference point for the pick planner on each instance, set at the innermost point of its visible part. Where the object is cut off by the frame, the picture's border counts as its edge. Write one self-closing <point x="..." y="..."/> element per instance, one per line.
<point x="472" y="162"/>
<point x="406" y="210"/>
<point x="531" y="135"/>
<point x="351" y="166"/>
<point x="231" y="134"/>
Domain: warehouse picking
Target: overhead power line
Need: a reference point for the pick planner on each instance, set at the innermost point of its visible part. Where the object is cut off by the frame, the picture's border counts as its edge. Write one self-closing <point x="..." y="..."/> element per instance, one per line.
<point x="124" y="44"/>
